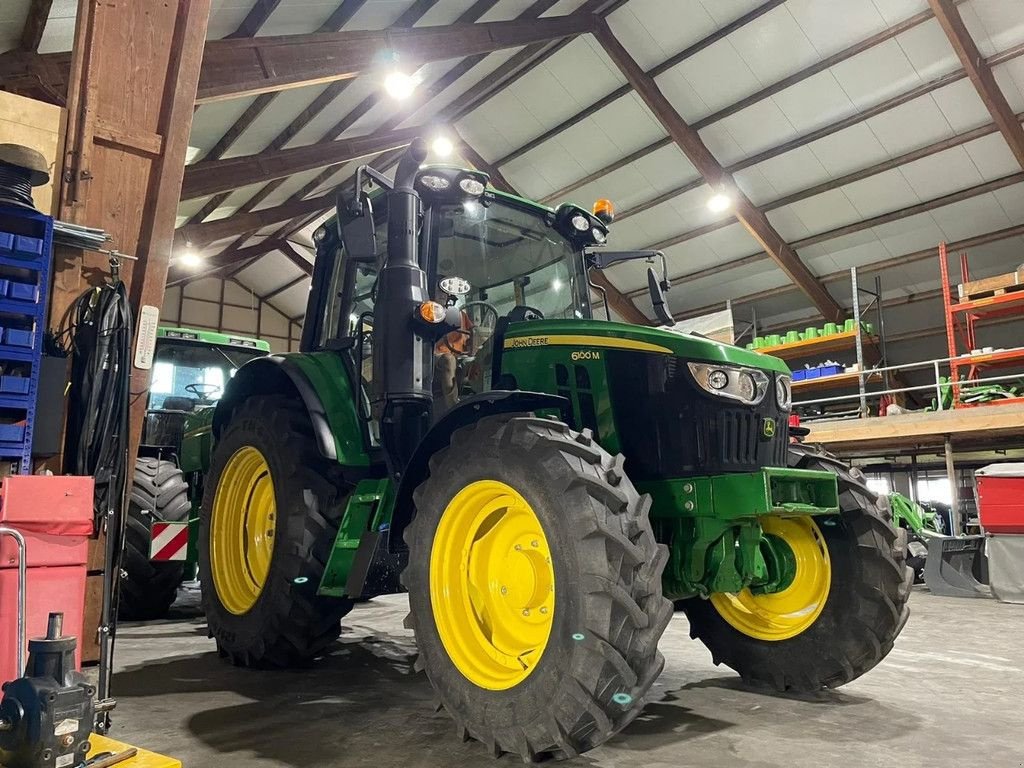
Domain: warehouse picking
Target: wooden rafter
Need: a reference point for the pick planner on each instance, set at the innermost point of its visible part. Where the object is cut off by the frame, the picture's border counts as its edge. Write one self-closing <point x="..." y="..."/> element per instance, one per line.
<point x="841" y="181"/>
<point x="296" y="258"/>
<point x="35" y="24"/>
<point x="621" y="91"/>
<point x="981" y="75"/>
<point x="286" y="287"/>
<point x="256" y="18"/>
<point x="200" y="235"/>
<point x="236" y="67"/>
<point x="212" y="176"/>
<point x="860" y="226"/>
<point x="687" y="139"/>
<point x="876" y="266"/>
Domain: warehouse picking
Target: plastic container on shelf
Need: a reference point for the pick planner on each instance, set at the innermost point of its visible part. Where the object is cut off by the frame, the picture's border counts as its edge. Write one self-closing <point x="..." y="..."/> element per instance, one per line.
<point x="829" y="370"/>
<point x="21" y="291"/>
<point x="12" y="433"/>
<point x="18" y="337"/>
<point x="799" y="374"/>
<point x="28" y="247"/>
<point x="15" y="385"/>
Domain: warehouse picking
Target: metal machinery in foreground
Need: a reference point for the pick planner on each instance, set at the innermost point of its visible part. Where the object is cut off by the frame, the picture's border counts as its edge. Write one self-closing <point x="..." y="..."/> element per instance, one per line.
<point x="191" y="368"/>
<point x="544" y="484"/>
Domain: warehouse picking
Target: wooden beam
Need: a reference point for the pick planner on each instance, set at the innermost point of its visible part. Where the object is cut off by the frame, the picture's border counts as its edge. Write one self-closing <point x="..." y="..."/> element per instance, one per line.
<point x="841" y="181"/>
<point x="244" y="67"/>
<point x="876" y="266"/>
<point x="236" y="67"/>
<point x="199" y="235"/>
<point x="687" y="139"/>
<point x="35" y="24"/>
<point x="214" y="264"/>
<point x="857" y="226"/>
<point x="477" y="161"/>
<point x="981" y="75"/>
<point x="854" y="118"/>
<point x="296" y="258"/>
<point x="212" y="176"/>
<point x="618" y="93"/>
<point x="256" y="18"/>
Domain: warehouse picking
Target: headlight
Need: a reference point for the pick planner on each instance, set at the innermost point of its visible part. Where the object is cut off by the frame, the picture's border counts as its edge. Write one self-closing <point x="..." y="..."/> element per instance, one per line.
<point x="784" y="392"/>
<point x="472" y="186"/>
<point x="436" y="183"/>
<point x="748" y="385"/>
<point x="580" y="222"/>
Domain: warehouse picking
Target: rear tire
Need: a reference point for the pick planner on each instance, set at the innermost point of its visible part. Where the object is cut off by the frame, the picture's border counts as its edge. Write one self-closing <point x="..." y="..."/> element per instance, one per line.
<point x="159" y="494"/>
<point x="865" y="610"/>
<point x="287" y="623"/>
<point x="589" y="678"/>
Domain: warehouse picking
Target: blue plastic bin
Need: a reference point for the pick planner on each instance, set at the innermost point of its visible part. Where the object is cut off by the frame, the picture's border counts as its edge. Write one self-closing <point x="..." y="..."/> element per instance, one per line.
<point x="12" y="433"/>
<point x="6" y="241"/>
<point x="829" y="370"/>
<point x="28" y="246"/>
<point x="799" y="374"/>
<point x="812" y="373"/>
<point x="15" y="385"/>
<point x="16" y="337"/>
<point x="21" y="291"/>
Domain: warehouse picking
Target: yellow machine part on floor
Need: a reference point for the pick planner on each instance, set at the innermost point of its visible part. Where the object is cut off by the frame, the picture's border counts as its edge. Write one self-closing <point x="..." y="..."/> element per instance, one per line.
<point x="144" y="759"/>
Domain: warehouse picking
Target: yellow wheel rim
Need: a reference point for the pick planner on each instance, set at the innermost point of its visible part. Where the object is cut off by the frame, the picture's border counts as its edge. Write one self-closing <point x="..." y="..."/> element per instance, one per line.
<point x="785" y="614"/>
<point x="492" y="585"/>
<point x="242" y="530"/>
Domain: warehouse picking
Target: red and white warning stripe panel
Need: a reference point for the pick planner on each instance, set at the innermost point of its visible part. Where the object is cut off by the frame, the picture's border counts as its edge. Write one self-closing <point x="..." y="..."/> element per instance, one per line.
<point x="168" y="541"/>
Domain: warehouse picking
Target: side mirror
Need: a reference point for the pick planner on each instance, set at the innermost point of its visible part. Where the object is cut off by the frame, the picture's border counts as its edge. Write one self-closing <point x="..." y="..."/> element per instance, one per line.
<point x="356" y="228"/>
<point x="657" y="291"/>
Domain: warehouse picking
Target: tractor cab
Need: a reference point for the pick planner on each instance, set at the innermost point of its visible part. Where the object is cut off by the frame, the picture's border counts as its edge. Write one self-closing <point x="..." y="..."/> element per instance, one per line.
<point x="191" y="368"/>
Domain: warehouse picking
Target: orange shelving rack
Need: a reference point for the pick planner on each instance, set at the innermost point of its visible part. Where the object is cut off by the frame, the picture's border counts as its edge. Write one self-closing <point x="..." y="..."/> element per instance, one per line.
<point x="962" y="315"/>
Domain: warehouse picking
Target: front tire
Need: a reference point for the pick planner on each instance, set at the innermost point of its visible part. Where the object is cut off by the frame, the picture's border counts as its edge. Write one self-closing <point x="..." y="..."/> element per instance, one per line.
<point x="159" y="494"/>
<point x="270" y="515"/>
<point x="534" y="587"/>
<point x="864" y="610"/>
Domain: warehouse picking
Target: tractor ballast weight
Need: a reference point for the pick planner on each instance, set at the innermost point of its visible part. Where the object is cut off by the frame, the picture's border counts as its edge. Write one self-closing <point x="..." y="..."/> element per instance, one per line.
<point x="541" y="482"/>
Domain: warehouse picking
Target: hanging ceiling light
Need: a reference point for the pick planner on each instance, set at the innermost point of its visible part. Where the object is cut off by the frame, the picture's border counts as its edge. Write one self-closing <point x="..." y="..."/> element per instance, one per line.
<point x="190" y="259"/>
<point x="720" y="202"/>
<point x="399" y="85"/>
<point x="442" y="146"/>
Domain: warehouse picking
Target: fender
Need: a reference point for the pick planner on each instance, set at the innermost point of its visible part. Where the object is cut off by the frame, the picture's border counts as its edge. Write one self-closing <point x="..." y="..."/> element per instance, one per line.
<point x="468" y="411"/>
<point x="276" y="374"/>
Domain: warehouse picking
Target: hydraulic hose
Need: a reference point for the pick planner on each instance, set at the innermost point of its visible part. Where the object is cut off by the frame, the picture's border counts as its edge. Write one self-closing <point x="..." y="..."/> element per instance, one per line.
<point x="96" y="440"/>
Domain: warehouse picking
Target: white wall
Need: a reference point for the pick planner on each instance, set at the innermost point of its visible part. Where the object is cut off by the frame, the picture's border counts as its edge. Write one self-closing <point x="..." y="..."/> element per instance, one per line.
<point x="201" y="306"/>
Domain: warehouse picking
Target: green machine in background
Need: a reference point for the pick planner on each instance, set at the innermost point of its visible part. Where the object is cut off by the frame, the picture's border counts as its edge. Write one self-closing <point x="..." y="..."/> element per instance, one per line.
<point x="543" y="483"/>
<point x="191" y="369"/>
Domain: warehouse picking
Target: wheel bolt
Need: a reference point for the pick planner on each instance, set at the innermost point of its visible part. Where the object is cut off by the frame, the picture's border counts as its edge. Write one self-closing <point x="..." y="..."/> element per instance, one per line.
<point x="543" y="609"/>
<point x="504" y="590"/>
<point x="526" y="611"/>
<point x="534" y="543"/>
<point x="518" y="547"/>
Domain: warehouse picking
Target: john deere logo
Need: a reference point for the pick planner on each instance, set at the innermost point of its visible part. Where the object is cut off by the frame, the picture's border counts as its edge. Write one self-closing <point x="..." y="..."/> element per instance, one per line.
<point x="768" y="427"/>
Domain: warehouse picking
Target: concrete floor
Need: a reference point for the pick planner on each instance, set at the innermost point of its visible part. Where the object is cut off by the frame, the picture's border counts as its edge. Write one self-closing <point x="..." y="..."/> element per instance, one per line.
<point x="950" y="694"/>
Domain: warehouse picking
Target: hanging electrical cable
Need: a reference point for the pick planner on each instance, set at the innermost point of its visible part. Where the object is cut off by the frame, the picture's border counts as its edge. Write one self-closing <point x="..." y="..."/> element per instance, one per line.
<point x="99" y="326"/>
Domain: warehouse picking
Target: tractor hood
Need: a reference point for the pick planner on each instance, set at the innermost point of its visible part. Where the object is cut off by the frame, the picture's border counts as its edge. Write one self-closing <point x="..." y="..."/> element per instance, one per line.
<point x="610" y="335"/>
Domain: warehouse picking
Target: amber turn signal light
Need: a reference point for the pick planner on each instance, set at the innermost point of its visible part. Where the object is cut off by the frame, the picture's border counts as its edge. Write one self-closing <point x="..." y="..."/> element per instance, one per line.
<point x="431" y="312"/>
<point x="604" y="210"/>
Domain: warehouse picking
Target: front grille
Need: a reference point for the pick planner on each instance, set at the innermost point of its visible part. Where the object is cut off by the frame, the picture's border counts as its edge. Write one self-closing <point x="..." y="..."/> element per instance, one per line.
<point x="668" y="427"/>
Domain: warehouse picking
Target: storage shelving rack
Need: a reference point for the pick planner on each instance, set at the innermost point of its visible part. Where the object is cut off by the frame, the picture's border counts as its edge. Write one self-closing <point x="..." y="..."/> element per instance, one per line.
<point x="26" y="246"/>
<point x="868" y="348"/>
<point x="962" y="316"/>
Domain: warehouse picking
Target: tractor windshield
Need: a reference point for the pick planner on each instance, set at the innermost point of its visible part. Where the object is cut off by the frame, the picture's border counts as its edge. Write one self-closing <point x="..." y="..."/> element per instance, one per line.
<point x="186" y="374"/>
<point x="510" y="257"/>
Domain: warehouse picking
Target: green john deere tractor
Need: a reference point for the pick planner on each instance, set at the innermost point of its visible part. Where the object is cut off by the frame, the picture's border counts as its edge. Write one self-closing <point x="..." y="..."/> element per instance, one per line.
<point x="190" y="370"/>
<point x="544" y="484"/>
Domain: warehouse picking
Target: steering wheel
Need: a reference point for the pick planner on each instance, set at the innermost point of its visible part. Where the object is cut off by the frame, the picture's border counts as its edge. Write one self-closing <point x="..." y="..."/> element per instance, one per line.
<point x="486" y="305"/>
<point x="201" y="389"/>
<point x="521" y="312"/>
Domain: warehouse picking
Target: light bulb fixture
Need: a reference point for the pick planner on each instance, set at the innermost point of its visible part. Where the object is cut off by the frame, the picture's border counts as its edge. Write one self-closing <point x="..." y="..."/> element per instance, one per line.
<point x="190" y="259"/>
<point x="719" y="202"/>
<point x="442" y="146"/>
<point x="556" y="284"/>
<point x="399" y="86"/>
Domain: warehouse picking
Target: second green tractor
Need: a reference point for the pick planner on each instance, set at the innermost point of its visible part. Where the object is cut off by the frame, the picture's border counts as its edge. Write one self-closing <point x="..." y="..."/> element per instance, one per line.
<point x="543" y="483"/>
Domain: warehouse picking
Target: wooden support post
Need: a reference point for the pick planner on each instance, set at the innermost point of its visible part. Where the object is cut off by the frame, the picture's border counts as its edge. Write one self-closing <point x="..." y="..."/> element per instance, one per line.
<point x="126" y="144"/>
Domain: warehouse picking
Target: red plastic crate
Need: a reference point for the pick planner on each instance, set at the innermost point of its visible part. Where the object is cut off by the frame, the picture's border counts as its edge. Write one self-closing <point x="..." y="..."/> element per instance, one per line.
<point x="1001" y="497"/>
<point x="54" y="514"/>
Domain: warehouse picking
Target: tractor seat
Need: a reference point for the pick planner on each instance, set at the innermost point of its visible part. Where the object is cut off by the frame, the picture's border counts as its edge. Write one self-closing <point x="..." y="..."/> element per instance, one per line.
<point x="179" y="404"/>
